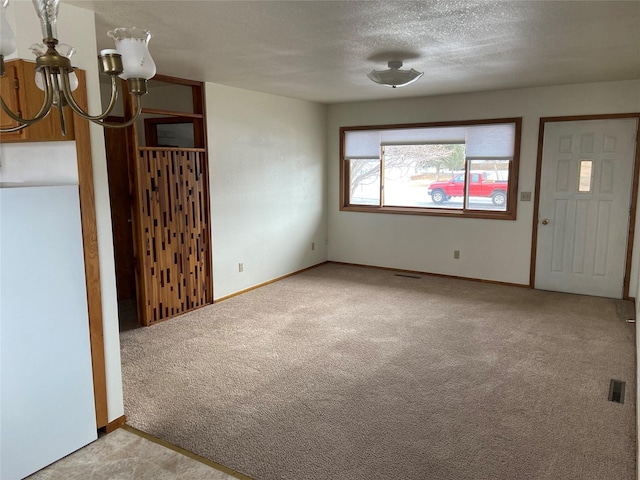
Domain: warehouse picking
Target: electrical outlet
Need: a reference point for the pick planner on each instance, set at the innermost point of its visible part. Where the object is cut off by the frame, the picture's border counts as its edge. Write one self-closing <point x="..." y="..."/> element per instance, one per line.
<point x="313" y="245"/>
<point x="456" y="254"/>
<point x="241" y="267"/>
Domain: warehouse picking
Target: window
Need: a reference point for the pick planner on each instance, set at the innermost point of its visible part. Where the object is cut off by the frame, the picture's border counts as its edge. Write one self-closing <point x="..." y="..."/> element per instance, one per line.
<point x="467" y="169"/>
<point x="585" y="180"/>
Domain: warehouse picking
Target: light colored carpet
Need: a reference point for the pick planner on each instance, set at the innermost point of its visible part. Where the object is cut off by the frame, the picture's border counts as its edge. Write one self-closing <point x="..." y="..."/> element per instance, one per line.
<point x="344" y="372"/>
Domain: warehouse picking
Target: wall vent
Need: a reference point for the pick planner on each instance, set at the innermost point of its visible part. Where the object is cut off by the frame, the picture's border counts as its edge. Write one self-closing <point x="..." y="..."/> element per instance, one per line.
<point x="616" y="391"/>
<point x="406" y="275"/>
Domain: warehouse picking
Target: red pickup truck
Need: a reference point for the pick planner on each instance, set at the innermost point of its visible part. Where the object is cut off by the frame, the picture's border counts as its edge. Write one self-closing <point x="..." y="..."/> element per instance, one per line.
<point x="480" y="186"/>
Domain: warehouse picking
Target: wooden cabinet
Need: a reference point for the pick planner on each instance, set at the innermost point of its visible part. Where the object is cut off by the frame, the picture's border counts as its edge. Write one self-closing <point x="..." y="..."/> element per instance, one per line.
<point x="22" y="96"/>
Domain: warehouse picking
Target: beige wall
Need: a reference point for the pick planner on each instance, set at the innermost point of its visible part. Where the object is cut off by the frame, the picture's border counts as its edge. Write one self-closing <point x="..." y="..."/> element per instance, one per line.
<point x="268" y="186"/>
<point x="489" y="249"/>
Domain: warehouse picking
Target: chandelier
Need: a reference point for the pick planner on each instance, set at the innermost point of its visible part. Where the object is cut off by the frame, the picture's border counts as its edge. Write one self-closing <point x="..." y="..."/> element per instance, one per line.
<point x="394" y="77"/>
<point x="130" y="60"/>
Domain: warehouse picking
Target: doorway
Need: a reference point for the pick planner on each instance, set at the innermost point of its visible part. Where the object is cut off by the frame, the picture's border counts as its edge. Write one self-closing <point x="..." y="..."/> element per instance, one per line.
<point x="160" y="205"/>
<point x="585" y="205"/>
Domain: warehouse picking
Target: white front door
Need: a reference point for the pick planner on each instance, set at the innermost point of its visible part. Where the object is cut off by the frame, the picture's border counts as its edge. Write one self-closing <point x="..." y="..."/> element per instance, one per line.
<point x="584" y="200"/>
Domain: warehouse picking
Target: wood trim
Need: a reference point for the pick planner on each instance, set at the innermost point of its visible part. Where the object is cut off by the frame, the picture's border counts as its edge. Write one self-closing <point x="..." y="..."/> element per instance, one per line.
<point x="138" y="240"/>
<point x="263" y="284"/>
<point x="344" y="172"/>
<point x="91" y="259"/>
<point x="164" y="120"/>
<point x="441" y="275"/>
<point x="604" y="116"/>
<point x="430" y="212"/>
<point x="151" y="132"/>
<point x="200" y="136"/>
<point x="455" y="123"/>
<point x="633" y="200"/>
<point x="172" y="113"/>
<point x="186" y="453"/>
<point x="176" y="80"/>
<point x="536" y="207"/>
<point x="632" y="217"/>
<point x="115" y="424"/>
<point x="514" y="173"/>
<point x="153" y="149"/>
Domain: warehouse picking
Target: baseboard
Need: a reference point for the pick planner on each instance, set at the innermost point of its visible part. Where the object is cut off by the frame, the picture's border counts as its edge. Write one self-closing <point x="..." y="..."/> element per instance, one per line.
<point x="186" y="453"/>
<point x="442" y="275"/>
<point x="240" y="292"/>
<point x="114" y="425"/>
<point x="418" y="272"/>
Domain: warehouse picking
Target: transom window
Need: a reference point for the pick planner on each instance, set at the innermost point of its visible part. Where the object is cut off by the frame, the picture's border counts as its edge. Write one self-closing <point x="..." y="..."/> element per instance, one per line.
<point x="456" y="168"/>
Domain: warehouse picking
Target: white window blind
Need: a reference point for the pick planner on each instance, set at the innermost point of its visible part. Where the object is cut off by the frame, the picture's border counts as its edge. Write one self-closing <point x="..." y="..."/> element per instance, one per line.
<point x="362" y="144"/>
<point x="493" y="141"/>
<point x="481" y="141"/>
<point x="420" y="136"/>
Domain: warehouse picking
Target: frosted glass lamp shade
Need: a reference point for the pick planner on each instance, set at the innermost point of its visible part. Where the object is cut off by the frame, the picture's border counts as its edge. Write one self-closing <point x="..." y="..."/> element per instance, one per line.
<point x="394" y="77"/>
<point x="7" y="37"/>
<point x="132" y="45"/>
<point x="73" y="81"/>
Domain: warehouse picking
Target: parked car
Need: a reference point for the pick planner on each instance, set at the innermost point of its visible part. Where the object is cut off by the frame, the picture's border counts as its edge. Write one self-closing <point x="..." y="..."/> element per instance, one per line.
<point x="480" y="185"/>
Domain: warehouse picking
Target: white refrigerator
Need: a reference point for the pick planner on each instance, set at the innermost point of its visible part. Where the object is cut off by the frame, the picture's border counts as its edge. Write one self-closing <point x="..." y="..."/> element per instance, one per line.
<point x="46" y="388"/>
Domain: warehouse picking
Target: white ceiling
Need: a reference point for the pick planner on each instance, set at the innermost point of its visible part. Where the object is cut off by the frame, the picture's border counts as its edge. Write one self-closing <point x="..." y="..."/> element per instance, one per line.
<point x="323" y="50"/>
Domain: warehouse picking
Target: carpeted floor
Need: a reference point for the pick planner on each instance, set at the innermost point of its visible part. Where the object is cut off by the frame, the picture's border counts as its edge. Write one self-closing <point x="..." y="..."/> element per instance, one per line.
<point x="347" y="373"/>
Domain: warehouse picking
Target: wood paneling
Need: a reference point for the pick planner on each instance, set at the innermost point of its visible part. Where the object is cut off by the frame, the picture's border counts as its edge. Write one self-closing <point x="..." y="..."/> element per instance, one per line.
<point x="173" y="218"/>
<point x="9" y="90"/>
<point x="25" y="98"/>
<point x="118" y="171"/>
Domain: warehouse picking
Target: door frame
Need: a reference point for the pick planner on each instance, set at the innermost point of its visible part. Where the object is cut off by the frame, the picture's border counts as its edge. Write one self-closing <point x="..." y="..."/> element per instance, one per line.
<point x="198" y="116"/>
<point x="633" y="201"/>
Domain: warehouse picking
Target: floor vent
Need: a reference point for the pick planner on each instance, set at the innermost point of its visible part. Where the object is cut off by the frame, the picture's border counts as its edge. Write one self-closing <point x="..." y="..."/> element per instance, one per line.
<point x="406" y="276"/>
<point x="616" y="391"/>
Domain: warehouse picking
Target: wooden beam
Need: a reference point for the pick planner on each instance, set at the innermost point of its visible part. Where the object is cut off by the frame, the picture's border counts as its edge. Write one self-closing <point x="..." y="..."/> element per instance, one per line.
<point x="91" y="259"/>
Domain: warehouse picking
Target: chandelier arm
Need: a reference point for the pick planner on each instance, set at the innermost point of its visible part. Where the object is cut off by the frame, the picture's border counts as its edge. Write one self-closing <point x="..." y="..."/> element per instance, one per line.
<point x="114" y="97"/>
<point x="71" y="101"/>
<point x="59" y="105"/>
<point x="44" y="109"/>
<point x="131" y="121"/>
<point x="13" y="129"/>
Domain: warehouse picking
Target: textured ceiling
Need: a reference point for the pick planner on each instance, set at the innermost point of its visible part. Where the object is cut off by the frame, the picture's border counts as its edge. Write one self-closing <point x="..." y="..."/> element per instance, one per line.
<point x="323" y="50"/>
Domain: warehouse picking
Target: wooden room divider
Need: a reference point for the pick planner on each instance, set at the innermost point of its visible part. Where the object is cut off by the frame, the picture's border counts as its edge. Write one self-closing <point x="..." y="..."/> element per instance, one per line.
<point x="173" y="215"/>
<point x="170" y="211"/>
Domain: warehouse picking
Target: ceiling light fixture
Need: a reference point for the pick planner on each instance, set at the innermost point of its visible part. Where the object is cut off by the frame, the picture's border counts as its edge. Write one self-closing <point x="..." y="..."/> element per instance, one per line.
<point x="394" y="77"/>
<point x="130" y="61"/>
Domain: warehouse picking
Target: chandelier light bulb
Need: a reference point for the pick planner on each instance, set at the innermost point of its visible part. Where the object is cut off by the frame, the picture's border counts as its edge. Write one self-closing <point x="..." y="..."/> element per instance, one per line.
<point x="73" y="81"/>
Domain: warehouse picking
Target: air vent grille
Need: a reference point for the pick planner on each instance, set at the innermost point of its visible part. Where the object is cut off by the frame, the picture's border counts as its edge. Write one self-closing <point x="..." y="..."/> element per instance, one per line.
<point x="616" y="391"/>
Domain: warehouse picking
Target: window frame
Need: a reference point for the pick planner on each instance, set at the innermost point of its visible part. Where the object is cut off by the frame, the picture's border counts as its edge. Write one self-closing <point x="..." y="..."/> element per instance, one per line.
<point x="512" y="201"/>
